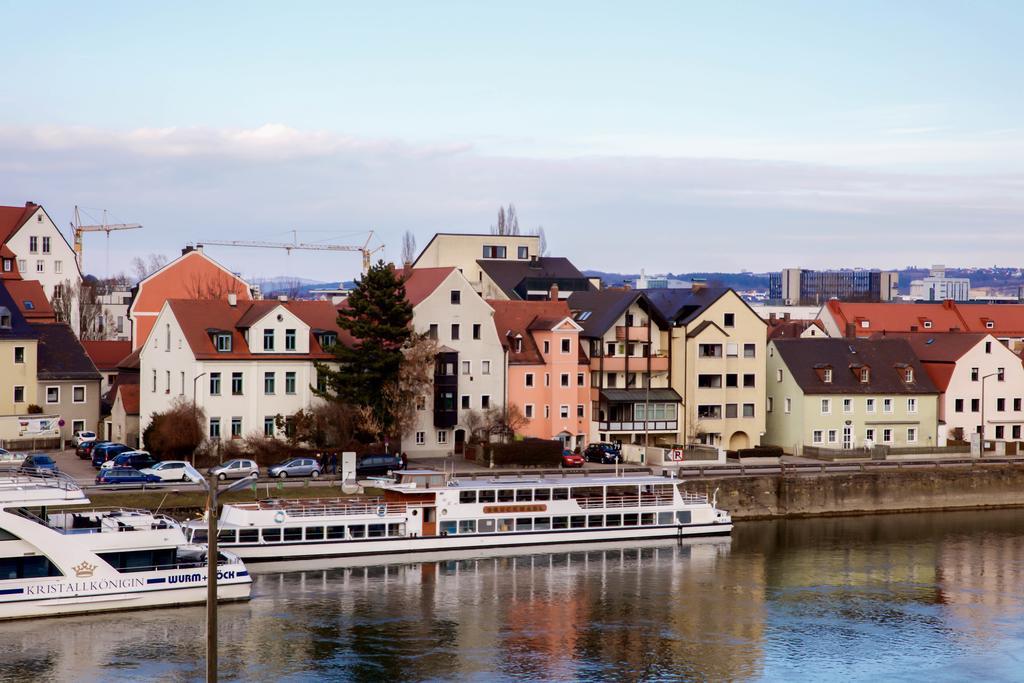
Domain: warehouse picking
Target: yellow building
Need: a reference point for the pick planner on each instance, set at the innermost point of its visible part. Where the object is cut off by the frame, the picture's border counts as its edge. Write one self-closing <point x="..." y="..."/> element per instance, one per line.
<point x="18" y="385"/>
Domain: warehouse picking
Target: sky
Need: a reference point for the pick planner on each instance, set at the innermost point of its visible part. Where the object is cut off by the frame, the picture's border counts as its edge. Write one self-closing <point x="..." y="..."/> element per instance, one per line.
<point x="669" y="136"/>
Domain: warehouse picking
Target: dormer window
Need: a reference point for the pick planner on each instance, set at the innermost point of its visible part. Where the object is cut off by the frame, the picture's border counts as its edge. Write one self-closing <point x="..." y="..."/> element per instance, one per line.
<point x="518" y="344"/>
<point x="5" y="318"/>
<point x="327" y="339"/>
<point x="865" y="375"/>
<point x="8" y="265"/>
<point x="927" y="324"/>
<point x="908" y="375"/>
<point x="989" y="324"/>
<point x="223" y="342"/>
<point x="826" y="375"/>
<point x="865" y="323"/>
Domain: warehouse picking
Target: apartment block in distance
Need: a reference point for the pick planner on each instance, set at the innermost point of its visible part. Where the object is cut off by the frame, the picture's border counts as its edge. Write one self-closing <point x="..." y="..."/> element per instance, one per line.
<point x="466" y="252"/>
<point x="802" y="287"/>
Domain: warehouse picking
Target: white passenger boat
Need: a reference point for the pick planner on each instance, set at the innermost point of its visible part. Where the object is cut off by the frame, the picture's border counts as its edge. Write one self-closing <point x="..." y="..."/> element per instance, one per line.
<point x="71" y="561"/>
<point x="425" y="511"/>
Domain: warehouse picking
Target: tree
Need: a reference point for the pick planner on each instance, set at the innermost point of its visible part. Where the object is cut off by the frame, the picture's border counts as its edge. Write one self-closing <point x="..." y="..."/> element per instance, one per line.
<point x="79" y="305"/>
<point x="330" y="424"/>
<point x="379" y="318"/>
<point x="508" y="221"/>
<point x="539" y="232"/>
<point x="415" y="378"/>
<point x="177" y="432"/>
<point x="62" y="302"/>
<point x="211" y="287"/>
<point x="144" y="266"/>
<point x="408" y="248"/>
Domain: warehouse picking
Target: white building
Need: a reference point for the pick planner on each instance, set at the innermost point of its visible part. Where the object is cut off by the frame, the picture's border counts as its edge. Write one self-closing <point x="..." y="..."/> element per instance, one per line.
<point x="470" y="371"/>
<point x="42" y="251"/>
<point x="938" y="287"/>
<point x="244" y="362"/>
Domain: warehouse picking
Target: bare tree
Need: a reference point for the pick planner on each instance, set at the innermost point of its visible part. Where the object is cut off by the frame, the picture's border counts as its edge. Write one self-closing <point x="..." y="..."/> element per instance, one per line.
<point x="508" y="221"/>
<point x="408" y="248"/>
<point x="414" y="380"/>
<point x="93" y="321"/>
<point x="539" y="232"/>
<point x="62" y="301"/>
<point x="144" y="266"/>
<point x="210" y="288"/>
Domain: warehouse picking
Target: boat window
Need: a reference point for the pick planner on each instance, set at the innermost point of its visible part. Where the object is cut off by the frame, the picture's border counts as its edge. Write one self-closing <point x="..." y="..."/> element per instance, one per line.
<point x="630" y="519"/>
<point x="449" y="528"/>
<point x="587" y="492"/>
<point x="542" y="523"/>
<point x="377" y="530"/>
<point x="506" y="524"/>
<point x="559" y="522"/>
<point x="663" y="490"/>
<point x="396" y="529"/>
<point x="293" y="533"/>
<point x="577" y="521"/>
<point x="33" y="567"/>
<point x="613" y="520"/>
<point x="248" y="535"/>
<point x="524" y="524"/>
<point x="226" y="536"/>
<point x="646" y="518"/>
<point x="664" y="518"/>
<point x="506" y="495"/>
<point x="467" y="526"/>
<point x="621" y="491"/>
<point x="138" y="560"/>
<point x="357" y="530"/>
<point x="487" y="496"/>
<point x="467" y="496"/>
<point x="524" y="495"/>
<point x="485" y="526"/>
<point x="7" y="536"/>
<point x="683" y="517"/>
<point x="271" y="535"/>
<point x="542" y="494"/>
<point x="316" y="533"/>
<point x="560" y="494"/>
<point x="595" y="520"/>
<point x="199" y="535"/>
<point x="335" y="533"/>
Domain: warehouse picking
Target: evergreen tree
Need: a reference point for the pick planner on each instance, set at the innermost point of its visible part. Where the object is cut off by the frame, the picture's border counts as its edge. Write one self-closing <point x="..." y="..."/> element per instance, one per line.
<point x="379" y="318"/>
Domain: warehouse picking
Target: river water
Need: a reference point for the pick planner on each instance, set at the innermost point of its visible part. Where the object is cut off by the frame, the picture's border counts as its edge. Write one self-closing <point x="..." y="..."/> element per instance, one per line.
<point x="914" y="597"/>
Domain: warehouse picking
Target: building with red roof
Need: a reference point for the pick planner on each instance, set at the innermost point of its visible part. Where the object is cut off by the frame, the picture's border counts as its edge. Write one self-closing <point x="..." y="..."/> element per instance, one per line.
<point x="106" y="354"/>
<point x="38" y="248"/>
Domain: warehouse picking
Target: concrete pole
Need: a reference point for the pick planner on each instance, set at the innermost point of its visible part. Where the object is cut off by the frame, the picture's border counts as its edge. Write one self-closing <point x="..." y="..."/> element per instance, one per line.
<point x="211" y="581"/>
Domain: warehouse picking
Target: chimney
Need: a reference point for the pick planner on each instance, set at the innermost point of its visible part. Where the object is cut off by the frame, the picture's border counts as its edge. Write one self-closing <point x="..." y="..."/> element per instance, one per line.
<point x="232" y="299"/>
<point x="947" y="304"/>
<point x="785" y="316"/>
<point x="553" y="293"/>
<point x="771" y="317"/>
<point x="913" y="328"/>
<point x="851" y="330"/>
<point x="187" y="249"/>
<point x="283" y="298"/>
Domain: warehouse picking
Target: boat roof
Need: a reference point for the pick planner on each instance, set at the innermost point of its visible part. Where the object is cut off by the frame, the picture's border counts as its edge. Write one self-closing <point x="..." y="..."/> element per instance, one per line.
<point x="21" y="490"/>
<point x="553" y="482"/>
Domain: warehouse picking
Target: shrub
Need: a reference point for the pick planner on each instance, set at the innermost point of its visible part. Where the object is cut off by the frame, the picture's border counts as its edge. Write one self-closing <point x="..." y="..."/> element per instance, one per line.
<point x="34" y="409"/>
<point x="527" y="453"/>
<point x="176" y="433"/>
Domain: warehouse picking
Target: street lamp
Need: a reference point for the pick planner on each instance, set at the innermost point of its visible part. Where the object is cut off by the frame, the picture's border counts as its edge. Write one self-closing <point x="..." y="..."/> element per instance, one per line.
<point x="211" y="570"/>
<point x="195" y="408"/>
<point x="983" y="378"/>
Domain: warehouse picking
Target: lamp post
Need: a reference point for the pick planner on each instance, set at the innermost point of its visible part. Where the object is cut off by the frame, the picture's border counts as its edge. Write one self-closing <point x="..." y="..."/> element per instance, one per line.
<point x="195" y="407"/>
<point x="983" y="378"/>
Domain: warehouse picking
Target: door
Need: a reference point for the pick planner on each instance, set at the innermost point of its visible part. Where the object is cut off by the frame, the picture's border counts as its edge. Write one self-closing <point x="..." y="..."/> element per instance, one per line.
<point x="460" y="441"/>
<point x="847" y="437"/>
<point x="429" y="521"/>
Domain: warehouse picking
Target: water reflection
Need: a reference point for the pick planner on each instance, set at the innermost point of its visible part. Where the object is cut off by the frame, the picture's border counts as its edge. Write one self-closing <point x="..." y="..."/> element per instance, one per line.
<point x="900" y="596"/>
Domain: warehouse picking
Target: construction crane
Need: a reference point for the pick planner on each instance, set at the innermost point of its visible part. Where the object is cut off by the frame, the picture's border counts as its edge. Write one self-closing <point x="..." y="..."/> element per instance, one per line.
<point x="365" y="249"/>
<point x="78" y="229"/>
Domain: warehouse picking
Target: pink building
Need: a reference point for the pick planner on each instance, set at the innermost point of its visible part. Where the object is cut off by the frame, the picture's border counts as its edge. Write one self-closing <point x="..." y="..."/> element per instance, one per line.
<point x="548" y="371"/>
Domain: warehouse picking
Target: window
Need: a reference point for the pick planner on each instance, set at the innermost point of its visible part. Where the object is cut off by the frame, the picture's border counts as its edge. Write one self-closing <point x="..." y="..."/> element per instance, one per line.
<point x="547" y="412"/>
<point x="771" y="404"/>
<point x="990" y="325"/>
<point x="732" y="350"/>
<point x="911" y="405"/>
<point x="729" y="320"/>
<point x="1001" y="374"/>
<point x="748" y="380"/>
<point x="442" y="437"/>
<point x="832" y="436"/>
<point x="22" y="265"/>
<point x="730" y="410"/>
<point x="268" y="340"/>
<point x="712" y="412"/>
<point x="236" y="384"/>
<point x="778" y="375"/>
<point x="869" y="405"/>
<point x="268" y="382"/>
<point x="58" y="267"/>
<point x="581" y="379"/>
<point x="865" y="375"/>
<point x="563" y="412"/>
<point x="523" y="253"/>
<point x="456" y="297"/>
<point x="53" y="394"/>
<point x="748" y="410"/>
<point x="958" y="405"/>
<point x="566" y="346"/>
<point x="886" y="405"/>
<point x="1016" y="404"/>
<point x="887" y="435"/>
<point x="528" y="411"/>
<point x="289" y="382"/>
<point x="1000" y="405"/>
<point x="223" y="342"/>
<point x="19" y="354"/>
<point x="465" y="402"/>
<point x="732" y="380"/>
<point x="167" y="385"/>
<point x="421" y="403"/>
<point x="826" y="376"/>
<point x="214" y="427"/>
<point x="268" y="426"/>
<point x="1015" y="430"/>
<point x="911" y="435"/>
<point x="847" y="405"/>
<point x="974" y="374"/>
<point x="154" y="381"/>
<point x="494" y="251"/>
<point x="528" y="378"/>
<point x="788" y="406"/>
<point x="467" y="367"/>
<point x="975" y="405"/>
<point x="988" y="347"/>
<point x="167" y="337"/>
<point x="432" y="332"/>
<point x="455" y="331"/>
<point x="19" y="394"/>
<point x="214" y="384"/>
<point x="817" y="436"/>
<point x="78" y="394"/>
<point x="476" y="330"/>
<point x="703" y="350"/>
<point x="869" y="434"/>
<point x="547" y="379"/>
<point x="564" y="379"/>
<point x="547" y="347"/>
<point x="8" y="265"/>
<point x="236" y="427"/>
<point x="826" y="406"/>
<point x="1000" y="432"/>
<point x="580" y="410"/>
<point x="421" y="438"/>
<point x="485" y="401"/>
<point x="33" y="245"/>
<point x="289" y="340"/>
<point x="46" y="245"/>
<point x="908" y="375"/>
<point x="709" y="381"/>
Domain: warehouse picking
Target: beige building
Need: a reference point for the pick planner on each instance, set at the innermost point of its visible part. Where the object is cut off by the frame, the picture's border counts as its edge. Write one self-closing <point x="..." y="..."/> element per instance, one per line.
<point x="717" y="364"/>
<point x="848" y="393"/>
<point x="68" y="384"/>
<point x="465" y="252"/>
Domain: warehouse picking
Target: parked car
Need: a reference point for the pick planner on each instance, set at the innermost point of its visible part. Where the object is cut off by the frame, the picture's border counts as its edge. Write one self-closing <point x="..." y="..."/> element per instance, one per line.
<point x="377" y="465"/>
<point x="137" y="459"/>
<point x="238" y="468"/>
<point x="295" y="467"/>
<point x="171" y="470"/>
<point x="570" y="459"/>
<point x="84" y="450"/>
<point x="83" y="437"/>
<point x="605" y="453"/>
<point x="107" y="451"/>
<point x="39" y="463"/>
<point x="125" y="475"/>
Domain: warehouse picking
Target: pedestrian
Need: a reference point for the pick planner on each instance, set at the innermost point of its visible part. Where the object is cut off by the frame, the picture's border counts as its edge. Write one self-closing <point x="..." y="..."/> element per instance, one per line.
<point x="333" y="457"/>
<point x="405" y="460"/>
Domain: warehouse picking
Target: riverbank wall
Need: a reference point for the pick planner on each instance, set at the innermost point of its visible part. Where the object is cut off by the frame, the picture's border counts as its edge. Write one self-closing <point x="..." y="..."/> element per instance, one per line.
<point x="873" y="492"/>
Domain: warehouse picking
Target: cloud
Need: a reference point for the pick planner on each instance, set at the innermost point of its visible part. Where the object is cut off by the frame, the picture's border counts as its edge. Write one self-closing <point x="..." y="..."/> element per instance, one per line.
<point x="671" y="211"/>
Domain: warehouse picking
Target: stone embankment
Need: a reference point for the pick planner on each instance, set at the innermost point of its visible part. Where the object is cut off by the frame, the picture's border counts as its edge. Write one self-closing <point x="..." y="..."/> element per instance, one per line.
<point x="854" y="493"/>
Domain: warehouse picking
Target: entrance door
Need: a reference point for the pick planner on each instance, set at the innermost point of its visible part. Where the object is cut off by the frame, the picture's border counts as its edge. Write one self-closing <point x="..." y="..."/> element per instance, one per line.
<point x="847" y="437"/>
<point x="430" y="521"/>
<point x="460" y="441"/>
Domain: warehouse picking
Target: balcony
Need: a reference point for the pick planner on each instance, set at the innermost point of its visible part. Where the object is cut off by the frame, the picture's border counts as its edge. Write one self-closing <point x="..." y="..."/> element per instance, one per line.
<point x="632" y="333"/>
<point x="652" y="426"/>
<point x="637" y="364"/>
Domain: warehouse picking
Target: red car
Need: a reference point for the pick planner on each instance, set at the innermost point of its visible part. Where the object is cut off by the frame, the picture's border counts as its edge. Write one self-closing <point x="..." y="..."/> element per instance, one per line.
<point x="572" y="460"/>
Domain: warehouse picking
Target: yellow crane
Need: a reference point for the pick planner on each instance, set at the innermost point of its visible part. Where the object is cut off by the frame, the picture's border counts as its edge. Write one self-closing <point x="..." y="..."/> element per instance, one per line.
<point x="365" y="249"/>
<point x="78" y="230"/>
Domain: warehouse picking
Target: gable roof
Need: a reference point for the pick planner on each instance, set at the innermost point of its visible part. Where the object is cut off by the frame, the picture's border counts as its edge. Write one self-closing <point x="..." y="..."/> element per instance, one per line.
<point x="13" y="217"/>
<point x="597" y="310"/>
<point x="422" y="282"/>
<point x="791" y="328"/>
<point x="939" y="352"/>
<point x="129" y="394"/>
<point x="884" y="357"/>
<point x="1006" y="319"/>
<point x="31" y="300"/>
<point x="184" y="282"/>
<point x="516" y="277"/>
<point x="107" y="354"/>
<point x="60" y="355"/>
<point x="522" y="318"/>
<point x="896" y="317"/>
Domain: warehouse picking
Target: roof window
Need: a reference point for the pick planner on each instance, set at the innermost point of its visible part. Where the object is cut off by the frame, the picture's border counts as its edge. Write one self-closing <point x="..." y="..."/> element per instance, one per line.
<point x="990" y="324"/>
<point x="29" y="306"/>
<point x="223" y="342"/>
<point x="5" y="318"/>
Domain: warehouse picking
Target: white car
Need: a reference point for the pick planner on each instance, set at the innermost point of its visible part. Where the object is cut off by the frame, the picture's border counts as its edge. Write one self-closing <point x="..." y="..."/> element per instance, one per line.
<point x="174" y="470"/>
<point x="83" y="437"/>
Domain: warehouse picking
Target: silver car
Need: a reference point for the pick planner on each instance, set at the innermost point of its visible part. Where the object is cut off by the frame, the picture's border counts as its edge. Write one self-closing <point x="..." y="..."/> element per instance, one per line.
<point x="239" y="468"/>
<point x="295" y="467"/>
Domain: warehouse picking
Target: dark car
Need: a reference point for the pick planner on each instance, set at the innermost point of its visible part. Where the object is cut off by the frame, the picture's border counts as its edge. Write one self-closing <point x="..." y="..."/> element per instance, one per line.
<point x="125" y="475"/>
<point x="138" y="460"/>
<point x="107" y="451"/>
<point x="84" y="450"/>
<point x="377" y="465"/>
<point x="604" y="453"/>
<point x="39" y="464"/>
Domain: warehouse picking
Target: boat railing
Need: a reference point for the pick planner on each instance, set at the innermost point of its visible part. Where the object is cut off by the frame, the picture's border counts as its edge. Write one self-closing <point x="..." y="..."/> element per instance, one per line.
<point x="613" y="502"/>
<point x="338" y="507"/>
<point x="14" y="474"/>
